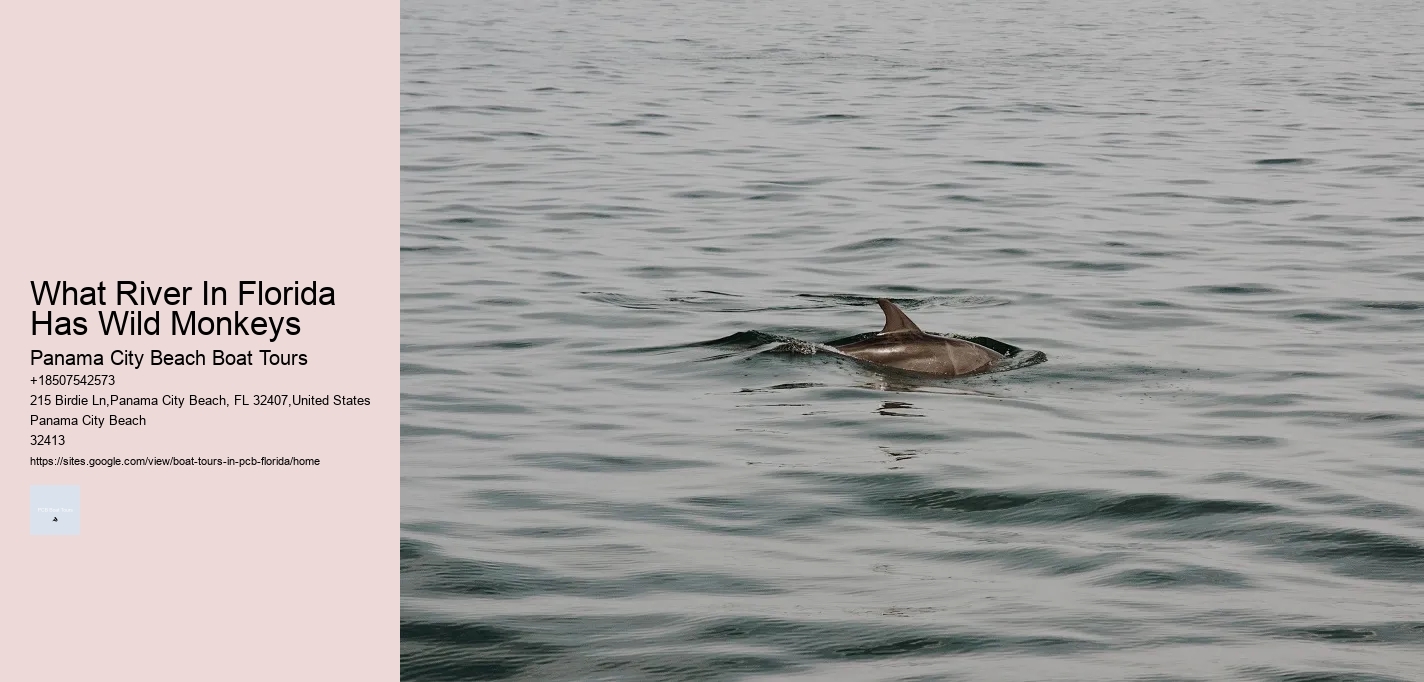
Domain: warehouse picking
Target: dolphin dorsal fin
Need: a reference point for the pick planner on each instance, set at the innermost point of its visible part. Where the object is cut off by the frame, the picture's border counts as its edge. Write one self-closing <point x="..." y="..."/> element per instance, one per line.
<point x="895" y="319"/>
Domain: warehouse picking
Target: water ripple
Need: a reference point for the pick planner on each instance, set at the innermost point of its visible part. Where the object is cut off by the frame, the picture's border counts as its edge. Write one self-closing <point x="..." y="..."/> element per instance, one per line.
<point x="629" y="228"/>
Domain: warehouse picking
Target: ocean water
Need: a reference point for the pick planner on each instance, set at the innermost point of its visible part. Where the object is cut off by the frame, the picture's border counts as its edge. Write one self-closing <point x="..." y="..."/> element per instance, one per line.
<point x="1208" y="216"/>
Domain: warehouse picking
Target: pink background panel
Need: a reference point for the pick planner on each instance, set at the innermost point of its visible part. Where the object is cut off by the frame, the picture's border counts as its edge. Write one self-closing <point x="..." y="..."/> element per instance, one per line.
<point x="176" y="142"/>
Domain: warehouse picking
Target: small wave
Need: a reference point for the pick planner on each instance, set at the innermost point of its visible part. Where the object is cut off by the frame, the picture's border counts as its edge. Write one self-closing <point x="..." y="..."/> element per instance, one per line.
<point x="1092" y="266"/>
<point x="876" y="243"/>
<point x="1017" y="164"/>
<point x="1235" y="289"/>
<point x="1293" y="161"/>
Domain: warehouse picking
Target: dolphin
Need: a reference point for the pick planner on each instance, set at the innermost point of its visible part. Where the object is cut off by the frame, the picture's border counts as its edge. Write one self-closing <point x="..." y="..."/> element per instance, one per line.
<point x="902" y="345"/>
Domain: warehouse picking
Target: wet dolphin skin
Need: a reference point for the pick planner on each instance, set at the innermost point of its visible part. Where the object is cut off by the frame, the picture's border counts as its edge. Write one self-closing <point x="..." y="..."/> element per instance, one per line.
<point x="902" y="345"/>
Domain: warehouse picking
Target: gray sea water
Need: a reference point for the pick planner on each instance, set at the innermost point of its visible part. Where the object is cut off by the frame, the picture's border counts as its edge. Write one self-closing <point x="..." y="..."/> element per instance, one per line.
<point x="1208" y="215"/>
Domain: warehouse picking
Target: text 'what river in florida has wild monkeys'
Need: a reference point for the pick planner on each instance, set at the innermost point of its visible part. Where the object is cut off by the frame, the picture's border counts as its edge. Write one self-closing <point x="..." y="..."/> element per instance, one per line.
<point x="138" y="322"/>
